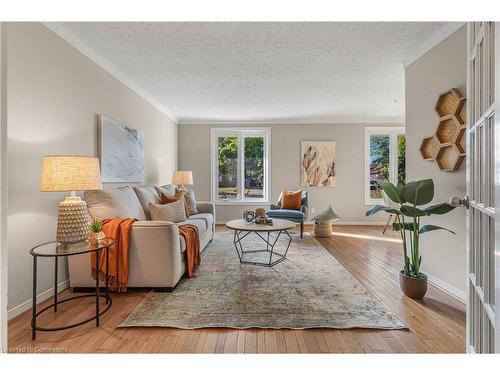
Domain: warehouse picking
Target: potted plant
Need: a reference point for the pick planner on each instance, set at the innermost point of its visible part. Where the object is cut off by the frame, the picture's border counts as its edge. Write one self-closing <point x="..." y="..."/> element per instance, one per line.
<point x="408" y="222"/>
<point x="96" y="235"/>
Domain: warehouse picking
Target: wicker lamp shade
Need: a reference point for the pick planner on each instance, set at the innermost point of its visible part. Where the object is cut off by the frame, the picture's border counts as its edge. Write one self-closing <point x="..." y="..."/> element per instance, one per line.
<point x="71" y="173"/>
<point x="182" y="178"/>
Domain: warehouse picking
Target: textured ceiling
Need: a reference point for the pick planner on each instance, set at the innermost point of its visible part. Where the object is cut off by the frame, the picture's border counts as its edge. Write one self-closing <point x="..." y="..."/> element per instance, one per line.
<point x="262" y="72"/>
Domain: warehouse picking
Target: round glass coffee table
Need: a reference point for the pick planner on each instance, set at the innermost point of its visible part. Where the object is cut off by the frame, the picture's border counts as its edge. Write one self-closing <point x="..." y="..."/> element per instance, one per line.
<point x="242" y="229"/>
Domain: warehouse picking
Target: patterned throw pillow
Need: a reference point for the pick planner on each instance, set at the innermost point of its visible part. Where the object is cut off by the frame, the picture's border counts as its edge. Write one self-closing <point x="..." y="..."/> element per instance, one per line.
<point x="174" y="211"/>
<point x="190" y="202"/>
<point x="164" y="198"/>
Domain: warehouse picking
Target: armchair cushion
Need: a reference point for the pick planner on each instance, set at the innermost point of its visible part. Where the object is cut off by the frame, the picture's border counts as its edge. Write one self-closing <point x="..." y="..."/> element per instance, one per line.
<point x="286" y="214"/>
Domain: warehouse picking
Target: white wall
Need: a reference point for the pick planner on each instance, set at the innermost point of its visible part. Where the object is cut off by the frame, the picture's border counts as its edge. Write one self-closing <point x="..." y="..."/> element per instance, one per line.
<point x="54" y="95"/>
<point x="440" y="69"/>
<point x="347" y="197"/>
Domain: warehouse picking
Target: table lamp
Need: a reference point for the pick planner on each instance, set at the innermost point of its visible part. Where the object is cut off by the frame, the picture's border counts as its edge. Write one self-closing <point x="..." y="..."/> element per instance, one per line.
<point x="182" y="178"/>
<point x="71" y="173"/>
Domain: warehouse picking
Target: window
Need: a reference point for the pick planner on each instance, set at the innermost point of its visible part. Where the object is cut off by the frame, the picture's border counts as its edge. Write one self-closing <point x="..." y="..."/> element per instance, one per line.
<point x="240" y="165"/>
<point x="385" y="154"/>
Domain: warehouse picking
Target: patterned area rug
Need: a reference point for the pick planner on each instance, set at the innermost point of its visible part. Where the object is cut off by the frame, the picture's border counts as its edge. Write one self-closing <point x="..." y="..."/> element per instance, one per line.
<point x="310" y="289"/>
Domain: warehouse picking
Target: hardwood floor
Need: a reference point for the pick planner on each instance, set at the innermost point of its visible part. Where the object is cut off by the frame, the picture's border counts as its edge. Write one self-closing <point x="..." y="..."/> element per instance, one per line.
<point x="436" y="323"/>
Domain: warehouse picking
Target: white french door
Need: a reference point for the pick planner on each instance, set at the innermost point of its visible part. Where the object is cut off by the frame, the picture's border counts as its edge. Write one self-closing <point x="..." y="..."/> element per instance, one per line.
<point x="482" y="183"/>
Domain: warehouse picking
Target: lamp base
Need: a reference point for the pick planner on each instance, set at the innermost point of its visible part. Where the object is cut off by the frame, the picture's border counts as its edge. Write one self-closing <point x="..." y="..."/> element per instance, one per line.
<point x="72" y="222"/>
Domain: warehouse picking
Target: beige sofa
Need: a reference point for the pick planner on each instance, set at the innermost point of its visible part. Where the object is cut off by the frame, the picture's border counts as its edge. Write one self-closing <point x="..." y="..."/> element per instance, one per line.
<point x="156" y="253"/>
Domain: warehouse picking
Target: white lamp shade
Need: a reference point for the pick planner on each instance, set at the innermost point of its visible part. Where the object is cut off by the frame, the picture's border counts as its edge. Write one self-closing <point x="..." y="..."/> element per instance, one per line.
<point x="182" y="178"/>
<point x="70" y="173"/>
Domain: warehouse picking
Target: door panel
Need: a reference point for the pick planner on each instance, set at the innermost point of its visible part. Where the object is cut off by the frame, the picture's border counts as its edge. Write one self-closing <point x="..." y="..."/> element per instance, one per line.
<point x="481" y="184"/>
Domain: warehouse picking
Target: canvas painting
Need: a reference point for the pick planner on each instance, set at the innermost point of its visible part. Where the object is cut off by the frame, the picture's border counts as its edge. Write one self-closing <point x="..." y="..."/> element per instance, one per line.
<point x="317" y="163"/>
<point x="121" y="150"/>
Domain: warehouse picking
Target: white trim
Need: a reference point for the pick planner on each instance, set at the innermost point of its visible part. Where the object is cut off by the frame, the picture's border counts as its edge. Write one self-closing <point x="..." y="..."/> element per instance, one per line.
<point x="300" y="121"/>
<point x="447" y="288"/>
<point x="241" y="203"/>
<point x="19" y="309"/>
<point x="393" y="133"/>
<point x="3" y="186"/>
<point x="240" y="132"/>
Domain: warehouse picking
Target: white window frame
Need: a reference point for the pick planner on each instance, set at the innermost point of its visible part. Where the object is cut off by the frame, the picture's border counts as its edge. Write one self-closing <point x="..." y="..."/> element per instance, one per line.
<point x="393" y="133"/>
<point x="240" y="133"/>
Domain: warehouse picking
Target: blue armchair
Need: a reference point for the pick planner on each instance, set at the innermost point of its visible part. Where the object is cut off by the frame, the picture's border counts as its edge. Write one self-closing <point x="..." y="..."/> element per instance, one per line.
<point x="297" y="216"/>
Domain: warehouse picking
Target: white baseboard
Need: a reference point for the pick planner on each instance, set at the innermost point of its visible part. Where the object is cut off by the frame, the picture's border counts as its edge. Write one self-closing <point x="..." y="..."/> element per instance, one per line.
<point x="15" y="311"/>
<point x="447" y="288"/>
<point x="334" y="223"/>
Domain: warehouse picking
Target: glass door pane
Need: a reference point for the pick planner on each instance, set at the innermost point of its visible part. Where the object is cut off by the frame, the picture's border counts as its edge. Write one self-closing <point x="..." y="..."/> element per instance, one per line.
<point x="401" y="145"/>
<point x="227" y="159"/>
<point x="379" y="163"/>
<point x="254" y="167"/>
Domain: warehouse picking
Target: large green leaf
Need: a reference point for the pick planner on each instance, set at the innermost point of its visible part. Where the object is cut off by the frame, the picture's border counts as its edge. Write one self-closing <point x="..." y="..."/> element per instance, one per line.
<point x="418" y="192"/>
<point x="390" y="190"/>
<point x="430" y="228"/>
<point x="398" y="226"/>
<point x="400" y="187"/>
<point x="411" y="211"/>
<point x="379" y="208"/>
<point x="438" y="209"/>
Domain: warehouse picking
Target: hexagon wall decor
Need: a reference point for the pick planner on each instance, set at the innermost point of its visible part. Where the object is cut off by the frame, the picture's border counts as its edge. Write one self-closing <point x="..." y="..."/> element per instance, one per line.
<point x="447" y="145"/>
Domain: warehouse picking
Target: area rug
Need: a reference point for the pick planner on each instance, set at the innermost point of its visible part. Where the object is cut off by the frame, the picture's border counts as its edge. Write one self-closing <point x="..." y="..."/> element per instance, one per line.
<point x="310" y="289"/>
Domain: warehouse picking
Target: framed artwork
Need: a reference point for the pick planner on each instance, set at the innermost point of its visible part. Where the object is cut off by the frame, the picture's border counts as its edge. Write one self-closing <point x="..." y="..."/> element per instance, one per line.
<point x="317" y="163"/>
<point x="121" y="151"/>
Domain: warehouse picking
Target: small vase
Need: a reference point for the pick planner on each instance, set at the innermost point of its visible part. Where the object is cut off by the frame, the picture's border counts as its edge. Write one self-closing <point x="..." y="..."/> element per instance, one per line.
<point x="413" y="287"/>
<point x="96" y="239"/>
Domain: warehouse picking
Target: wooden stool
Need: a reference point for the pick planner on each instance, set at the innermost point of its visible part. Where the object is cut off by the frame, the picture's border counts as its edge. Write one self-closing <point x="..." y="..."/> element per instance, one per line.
<point x="323" y="228"/>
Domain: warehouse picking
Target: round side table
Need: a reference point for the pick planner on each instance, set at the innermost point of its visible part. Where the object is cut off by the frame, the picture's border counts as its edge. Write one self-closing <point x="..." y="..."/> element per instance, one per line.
<point x="58" y="250"/>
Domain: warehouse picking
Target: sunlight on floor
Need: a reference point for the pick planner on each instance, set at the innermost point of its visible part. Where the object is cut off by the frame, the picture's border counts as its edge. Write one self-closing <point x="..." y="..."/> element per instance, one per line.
<point x="367" y="237"/>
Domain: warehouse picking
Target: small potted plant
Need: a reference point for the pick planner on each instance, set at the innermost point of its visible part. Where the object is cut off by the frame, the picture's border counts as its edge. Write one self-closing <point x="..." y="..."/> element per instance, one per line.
<point x="408" y="223"/>
<point x="96" y="235"/>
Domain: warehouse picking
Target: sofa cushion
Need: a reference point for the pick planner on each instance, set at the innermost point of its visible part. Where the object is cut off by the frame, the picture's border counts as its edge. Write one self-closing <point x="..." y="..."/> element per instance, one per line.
<point x="174" y="211"/>
<point x="284" y="214"/>
<point x="190" y="199"/>
<point x="116" y="202"/>
<point x="209" y="219"/>
<point x="147" y="194"/>
<point x="198" y="223"/>
<point x="165" y="189"/>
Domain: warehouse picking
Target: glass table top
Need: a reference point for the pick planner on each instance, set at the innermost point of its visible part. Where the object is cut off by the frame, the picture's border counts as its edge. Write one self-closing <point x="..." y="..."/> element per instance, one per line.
<point x="55" y="249"/>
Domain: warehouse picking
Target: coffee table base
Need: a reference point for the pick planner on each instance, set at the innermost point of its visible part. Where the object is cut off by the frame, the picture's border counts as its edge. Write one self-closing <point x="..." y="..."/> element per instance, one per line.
<point x="237" y="240"/>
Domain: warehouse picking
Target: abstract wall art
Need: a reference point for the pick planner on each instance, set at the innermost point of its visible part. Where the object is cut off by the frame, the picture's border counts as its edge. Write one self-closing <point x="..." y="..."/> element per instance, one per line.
<point x="317" y="163"/>
<point x="121" y="150"/>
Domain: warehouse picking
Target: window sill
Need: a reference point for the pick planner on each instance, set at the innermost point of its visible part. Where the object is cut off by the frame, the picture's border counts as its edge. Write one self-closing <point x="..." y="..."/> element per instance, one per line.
<point x="374" y="202"/>
<point x="241" y="203"/>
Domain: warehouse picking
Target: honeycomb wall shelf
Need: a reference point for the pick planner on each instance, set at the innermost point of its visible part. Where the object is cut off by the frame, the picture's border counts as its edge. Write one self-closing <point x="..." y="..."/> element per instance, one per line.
<point x="447" y="146"/>
<point x="430" y="147"/>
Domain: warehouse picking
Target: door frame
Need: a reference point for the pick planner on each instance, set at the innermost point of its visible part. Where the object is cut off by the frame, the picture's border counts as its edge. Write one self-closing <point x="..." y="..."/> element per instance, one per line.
<point x="497" y="186"/>
<point x="3" y="185"/>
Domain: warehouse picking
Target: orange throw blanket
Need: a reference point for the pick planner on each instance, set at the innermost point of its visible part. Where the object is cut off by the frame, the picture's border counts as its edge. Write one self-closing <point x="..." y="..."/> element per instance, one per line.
<point x="193" y="257"/>
<point x="119" y="229"/>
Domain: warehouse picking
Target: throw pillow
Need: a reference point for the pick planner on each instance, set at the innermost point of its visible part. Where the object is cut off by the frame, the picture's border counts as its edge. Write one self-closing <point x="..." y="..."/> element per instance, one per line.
<point x="291" y="200"/>
<point x="165" y="198"/>
<point x="174" y="211"/>
<point x="190" y="202"/>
